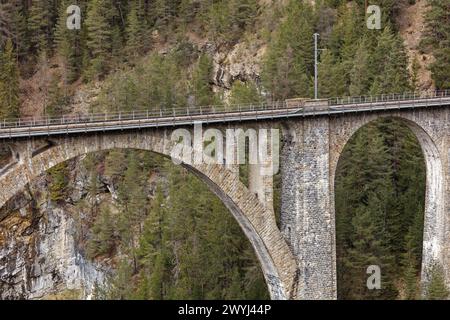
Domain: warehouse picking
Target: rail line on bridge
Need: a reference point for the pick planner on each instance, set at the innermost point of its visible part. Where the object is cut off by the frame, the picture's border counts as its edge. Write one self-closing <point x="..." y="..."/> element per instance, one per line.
<point x="36" y="127"/>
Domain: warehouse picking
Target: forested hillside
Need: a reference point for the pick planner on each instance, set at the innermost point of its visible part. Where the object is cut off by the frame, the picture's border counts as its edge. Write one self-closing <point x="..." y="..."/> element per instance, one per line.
<point x="178" y="240"/>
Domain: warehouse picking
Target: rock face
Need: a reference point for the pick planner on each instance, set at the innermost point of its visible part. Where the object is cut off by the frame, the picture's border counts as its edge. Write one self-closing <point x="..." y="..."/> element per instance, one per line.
<point x="242" y="62"/>
<point x="41" y="247"/>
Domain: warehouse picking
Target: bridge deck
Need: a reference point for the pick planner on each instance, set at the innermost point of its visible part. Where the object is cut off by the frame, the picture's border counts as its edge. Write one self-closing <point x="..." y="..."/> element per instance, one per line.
<point x="35" y="127"/>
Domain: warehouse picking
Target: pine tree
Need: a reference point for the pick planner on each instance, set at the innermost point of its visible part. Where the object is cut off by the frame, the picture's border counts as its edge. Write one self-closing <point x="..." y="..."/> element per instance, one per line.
<point x="242" y="13"/>
<point x="437" y="40"/>
<point x="57" y="96"/>
<point x="410" y="268"/>
<point x="134" y="31"/>
<point x="13" y="25"/>
<point x="121" y="285"/>
<point x="390" y="65"/>
<point x="359" y="74"/>
<point x="103" y="235"/>
<point x="165" y="10"/>
<point x="152" y="251"/>
<point x="59" y="182"/>
<point x="131" y="191"/>
<point x="9" y="83"/>
<point x="244" y="93"/>
<point x="99" y="36"/>
<point x="115" y="165"/>
<point x="40" y="24"/>
<point x="415" y="68"/>
<point x="289" y="62"/>
<point x="332" y="77"/>
<point x="69" y="44"/>
<point x="437" y="289"/>
<point x="201" y="87"/>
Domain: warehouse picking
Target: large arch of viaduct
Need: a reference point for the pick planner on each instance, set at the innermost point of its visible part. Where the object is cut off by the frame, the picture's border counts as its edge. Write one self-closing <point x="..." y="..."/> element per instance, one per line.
<point x="256" y="218"/>
<point x="298" y="261"/>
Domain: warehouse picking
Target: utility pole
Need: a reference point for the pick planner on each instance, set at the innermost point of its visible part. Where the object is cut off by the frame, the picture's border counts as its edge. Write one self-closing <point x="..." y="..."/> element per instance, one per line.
<point x="316" y="63"/>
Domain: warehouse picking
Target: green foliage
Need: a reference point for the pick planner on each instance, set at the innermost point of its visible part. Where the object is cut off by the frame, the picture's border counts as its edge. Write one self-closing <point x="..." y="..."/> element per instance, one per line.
<point x="201" y="79"/>
<point x="437" y="40"/>
<point x="59" y="182"/>
<point x="157" y="83"/>
<point x="415" y="67"/>
<point x="57" y="97"/>
<point x="13" y="25"/>
<point x="135" y="30"/>
<point x="389" y="63"/>
<point x="226" y="20"/>
<point x="103" y="235"/>
<point x="379" y="204"/>
<point x="166" y="240"/>
<point x="101" y="36"/>
<point x="115" y="164"/>
<point x="244" y="93"/>
<point x="69" y="45"/>
<point x="289" y="63"/>
<point x="332" y="77"/>
<point x="185" y="228"/>
<point x="437" y="289"/>
<point x="359" y="73"/>
<point x="9" y="82"/>
<point x="41" y="19"/>
<point x="121" y="286"/>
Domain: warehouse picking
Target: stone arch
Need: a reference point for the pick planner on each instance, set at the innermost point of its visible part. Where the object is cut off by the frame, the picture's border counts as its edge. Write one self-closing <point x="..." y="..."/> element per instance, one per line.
<point x="257" y="222"/>
<point x="434" y="211"/>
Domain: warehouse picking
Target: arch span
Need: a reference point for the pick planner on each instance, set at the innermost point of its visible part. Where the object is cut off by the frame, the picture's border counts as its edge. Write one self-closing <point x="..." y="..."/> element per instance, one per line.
<point x="434" y="215"/>
<point x="257" y="221"/>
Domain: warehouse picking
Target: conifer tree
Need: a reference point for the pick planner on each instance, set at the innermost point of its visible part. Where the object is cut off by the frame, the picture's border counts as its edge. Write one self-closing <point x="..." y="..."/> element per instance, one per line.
<point x="415" y="67"/>
<point x="134" y="31"/>
<point x="13" y="25"/>
<point x="40" y="24"/>
<point x="69" y="45"/>
<point x="410" y="268"/>
<point x="288" y="66"/>
<point x="9" y="82"/>
<point x="359" y="74"/>
<point x="59" y="182"/>
<point x="115" y="164"/>
<point x="121" y="285"/>
<point x="437" y="40"/>
<point x="332" y="81"/>
<point x="390" y="65"/>
<point x="244" y="93"/>
<point x="243" y="13"/>
<point x="437" y="289"/>
<point x="100" y="36"/>
<point x="103" y="237"/>
<point x="201" y="87"/>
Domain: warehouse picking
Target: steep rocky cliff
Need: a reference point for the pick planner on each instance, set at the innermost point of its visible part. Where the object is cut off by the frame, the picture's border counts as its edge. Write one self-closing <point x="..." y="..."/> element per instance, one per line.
<point x="42" y="251"/>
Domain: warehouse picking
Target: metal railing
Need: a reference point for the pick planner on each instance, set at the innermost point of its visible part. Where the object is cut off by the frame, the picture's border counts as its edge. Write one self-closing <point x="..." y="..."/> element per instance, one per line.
<point x="406" y="96"/>
<point x="138" y="114"/>
<point x="216" y="111"/>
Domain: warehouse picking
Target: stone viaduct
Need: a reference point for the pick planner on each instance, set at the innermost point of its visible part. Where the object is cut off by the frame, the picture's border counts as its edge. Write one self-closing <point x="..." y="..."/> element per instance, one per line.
<point x="298" y="258"/>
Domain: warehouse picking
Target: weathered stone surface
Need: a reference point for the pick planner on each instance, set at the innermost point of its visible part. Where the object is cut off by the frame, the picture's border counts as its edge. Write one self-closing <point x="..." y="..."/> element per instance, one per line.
<point x="307" y="220"/>
<point x="40" y="250"/>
